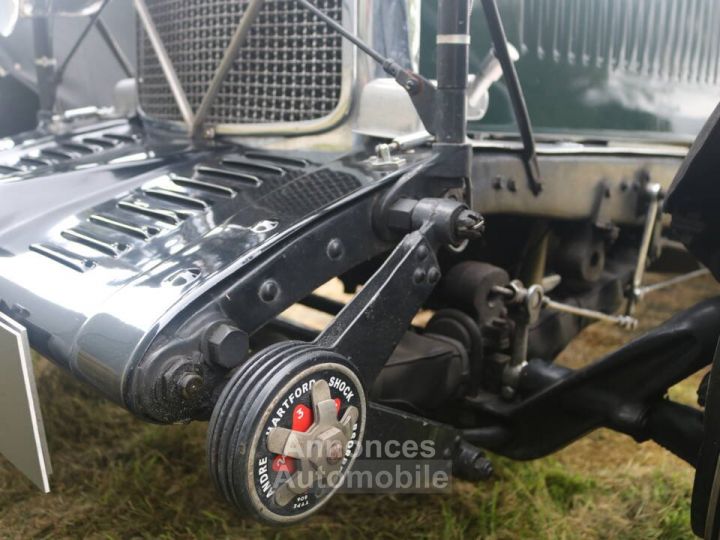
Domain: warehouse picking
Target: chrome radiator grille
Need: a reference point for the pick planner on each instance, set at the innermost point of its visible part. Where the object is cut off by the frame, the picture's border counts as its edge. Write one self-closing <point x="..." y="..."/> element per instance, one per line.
<point x="289" y="70"/>
<point x="673" y="40"/>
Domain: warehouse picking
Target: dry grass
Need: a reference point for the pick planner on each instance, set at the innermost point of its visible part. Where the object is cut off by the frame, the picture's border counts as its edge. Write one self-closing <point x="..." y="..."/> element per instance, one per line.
<point x="116" y="477"/>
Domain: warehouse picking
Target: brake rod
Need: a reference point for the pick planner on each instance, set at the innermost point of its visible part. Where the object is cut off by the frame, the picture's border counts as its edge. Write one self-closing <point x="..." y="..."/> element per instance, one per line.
<point x="623" y="321"/>
<point x="516" y="293"/>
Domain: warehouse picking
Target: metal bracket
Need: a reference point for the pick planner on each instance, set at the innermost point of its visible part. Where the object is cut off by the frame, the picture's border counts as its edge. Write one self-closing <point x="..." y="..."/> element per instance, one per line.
<point x="384" y="159"/>
<point x="370" y="326"/>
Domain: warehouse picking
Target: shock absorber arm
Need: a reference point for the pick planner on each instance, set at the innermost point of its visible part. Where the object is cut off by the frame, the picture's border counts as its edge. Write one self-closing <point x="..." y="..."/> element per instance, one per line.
<point x="369" y="328"/>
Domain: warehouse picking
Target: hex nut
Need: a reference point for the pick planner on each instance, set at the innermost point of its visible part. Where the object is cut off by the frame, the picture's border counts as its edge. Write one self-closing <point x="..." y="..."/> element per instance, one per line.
<point x="190" y="385"/>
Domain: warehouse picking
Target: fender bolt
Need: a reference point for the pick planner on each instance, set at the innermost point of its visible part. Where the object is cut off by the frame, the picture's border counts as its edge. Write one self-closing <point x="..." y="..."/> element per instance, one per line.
<point x="335" y="249"/>
<point x="419" y="276"/>
<point x="269" y="291"/>
<point x="433" y="275"/>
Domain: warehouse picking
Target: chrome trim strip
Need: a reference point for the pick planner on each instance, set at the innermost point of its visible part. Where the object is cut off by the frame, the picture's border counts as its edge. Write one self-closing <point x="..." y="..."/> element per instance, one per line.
<point x="560" y="149"/>
<point x="65" y="257"/>
<point x="193" y="183"/>
<point x="177" y="198"/>
<point x="167" y="216"/>
<point x="253" y="166"/>
<point x="249" y="180"/>
<point x="138" y="231"/>
<point x="453" y="39"/>
<point x="82" y="237"/>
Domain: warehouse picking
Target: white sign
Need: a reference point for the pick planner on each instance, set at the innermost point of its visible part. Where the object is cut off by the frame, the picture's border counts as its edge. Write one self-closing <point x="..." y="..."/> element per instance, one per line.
<point x="22" y="434"/>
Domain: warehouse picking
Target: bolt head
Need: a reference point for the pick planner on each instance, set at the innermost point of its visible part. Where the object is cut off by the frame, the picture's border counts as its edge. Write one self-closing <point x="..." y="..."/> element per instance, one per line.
<point x="433" y="275"/>
<point x="411" y="85"/>
<point x="269" y="291"/>
<point x="190" y="385"/>
<point x="419" y="276"/>
<point x="335" y="249"/>
<point x="507" y="392"/>
<point x="227" y="345"/>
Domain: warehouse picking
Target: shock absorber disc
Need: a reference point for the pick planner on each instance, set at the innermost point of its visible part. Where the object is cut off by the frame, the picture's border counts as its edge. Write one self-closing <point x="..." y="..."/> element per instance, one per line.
<point x="285" y="431"/>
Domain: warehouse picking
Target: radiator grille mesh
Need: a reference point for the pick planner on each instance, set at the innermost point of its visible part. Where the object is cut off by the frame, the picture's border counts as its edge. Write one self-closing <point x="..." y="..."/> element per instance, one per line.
<point x="290" y="69"/>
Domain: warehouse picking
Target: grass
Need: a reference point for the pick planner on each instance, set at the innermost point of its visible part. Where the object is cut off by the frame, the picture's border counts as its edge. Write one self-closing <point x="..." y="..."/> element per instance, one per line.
<point x="117" y="477"/>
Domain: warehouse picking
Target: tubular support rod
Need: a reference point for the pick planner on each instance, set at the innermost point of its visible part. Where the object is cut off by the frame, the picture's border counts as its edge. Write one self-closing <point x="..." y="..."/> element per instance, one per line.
<point x="502" y="52"/>
<point x="241" y="32"/>
<point x="623" y="321"/>
<point x="453" y="45"/>
<point x="115" y="48"/>
<point x="165" y="62"/>
<point x="642" y="291"/>
<point x="421" y="91"/>
<point x="653" y="192"/>
<point x="44" y="67"/>
<point x="332" y="23"/>
<point x="94" y="18"/>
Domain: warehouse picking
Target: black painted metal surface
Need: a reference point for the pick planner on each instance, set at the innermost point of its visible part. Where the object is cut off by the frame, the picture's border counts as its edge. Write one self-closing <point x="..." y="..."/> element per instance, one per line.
<point x="132" y="233"/>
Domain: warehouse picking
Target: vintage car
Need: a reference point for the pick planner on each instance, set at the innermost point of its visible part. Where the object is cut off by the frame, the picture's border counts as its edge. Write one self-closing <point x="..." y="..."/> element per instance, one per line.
<point x="504" y="168"/>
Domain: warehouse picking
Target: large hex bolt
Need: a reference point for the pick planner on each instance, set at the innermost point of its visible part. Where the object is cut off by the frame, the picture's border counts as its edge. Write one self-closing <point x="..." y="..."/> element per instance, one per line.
<point x="227" y="345"/>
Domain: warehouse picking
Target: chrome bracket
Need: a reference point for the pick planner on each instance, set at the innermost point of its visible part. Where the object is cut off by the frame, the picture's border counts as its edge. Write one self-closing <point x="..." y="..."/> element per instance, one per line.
<point x="384" y="158"/>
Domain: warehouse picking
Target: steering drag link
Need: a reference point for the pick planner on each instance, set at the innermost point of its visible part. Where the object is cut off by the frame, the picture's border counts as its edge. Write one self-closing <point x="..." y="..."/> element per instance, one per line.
<point x="515" y="292"/>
